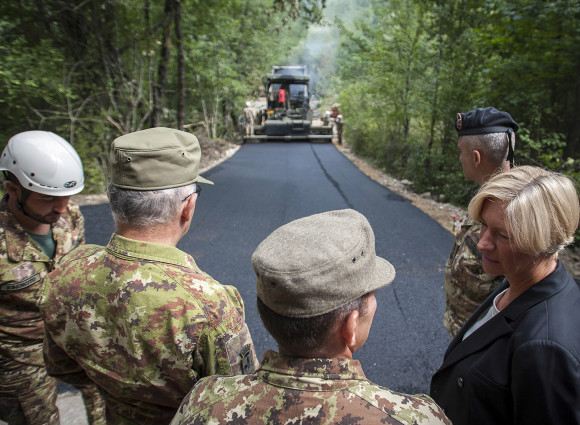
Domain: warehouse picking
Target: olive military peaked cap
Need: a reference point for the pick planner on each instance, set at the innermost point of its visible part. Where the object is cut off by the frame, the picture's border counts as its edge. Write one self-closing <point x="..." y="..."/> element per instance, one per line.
<point x="319" y="263"/>
<point x="156" y="158"/>
<point x="483" y="121"/>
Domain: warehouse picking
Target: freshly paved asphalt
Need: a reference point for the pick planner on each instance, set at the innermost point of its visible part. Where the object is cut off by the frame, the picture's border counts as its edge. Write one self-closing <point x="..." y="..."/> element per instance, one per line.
<point x="266" y="185"/>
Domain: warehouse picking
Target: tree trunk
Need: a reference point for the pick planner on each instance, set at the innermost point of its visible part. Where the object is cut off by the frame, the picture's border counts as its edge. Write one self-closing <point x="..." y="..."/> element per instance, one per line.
<point x="150" y="62"/>
<point x="180" y="66"/>
<point x="215" y="116"/>
<point x="434" y="108"/>
<point x="165" y="54"/>
<point x="203" y="107"/>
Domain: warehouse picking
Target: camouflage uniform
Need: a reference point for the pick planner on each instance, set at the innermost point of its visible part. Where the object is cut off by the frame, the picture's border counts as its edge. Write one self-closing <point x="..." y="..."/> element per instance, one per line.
<point x="338" y="122"/>
<point x="298" y="390"/>
<point x="466" y="284"/>
<point x="144" y="323"/>
<point x="27" y="394"/>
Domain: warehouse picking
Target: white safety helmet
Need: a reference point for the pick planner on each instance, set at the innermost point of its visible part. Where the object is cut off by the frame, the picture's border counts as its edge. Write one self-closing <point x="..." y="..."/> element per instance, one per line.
<point x="44" y="163"/>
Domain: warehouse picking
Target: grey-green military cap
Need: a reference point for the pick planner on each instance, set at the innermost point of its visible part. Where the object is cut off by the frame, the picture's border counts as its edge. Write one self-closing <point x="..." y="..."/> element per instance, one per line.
<point x="154" y="159"/>
<point x="319" y="263"/>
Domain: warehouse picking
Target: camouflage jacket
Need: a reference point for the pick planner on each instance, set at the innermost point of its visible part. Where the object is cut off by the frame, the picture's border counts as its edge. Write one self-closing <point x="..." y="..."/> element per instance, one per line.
<point x="144" y="323"/>
<point x="466" y="284"/>
<point x="290" y="390"/>
<point x="23" y="265"/>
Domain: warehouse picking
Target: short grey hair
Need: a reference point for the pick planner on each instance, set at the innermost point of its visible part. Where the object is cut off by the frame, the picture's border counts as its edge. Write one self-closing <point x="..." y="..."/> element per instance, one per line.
<point x="143" y="208"/>
<point x="494" y="146"/>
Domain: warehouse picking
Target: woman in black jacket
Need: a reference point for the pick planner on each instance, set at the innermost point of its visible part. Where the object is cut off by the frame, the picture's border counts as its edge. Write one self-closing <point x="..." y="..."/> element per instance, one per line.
<point x="517" y="359"/>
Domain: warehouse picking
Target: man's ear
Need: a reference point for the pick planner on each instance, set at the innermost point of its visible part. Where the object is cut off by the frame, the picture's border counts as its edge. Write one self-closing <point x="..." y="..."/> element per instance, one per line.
<point x="189" y="208"/>
<point x="349" y="327"/>
<point x="476" y="158"/>
<point x="12" y="189"/>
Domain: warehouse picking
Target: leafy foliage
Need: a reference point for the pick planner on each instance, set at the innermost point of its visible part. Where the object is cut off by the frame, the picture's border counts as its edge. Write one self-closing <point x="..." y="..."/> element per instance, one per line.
<point x="405" y="74"/>
<point x="93" y="70"/>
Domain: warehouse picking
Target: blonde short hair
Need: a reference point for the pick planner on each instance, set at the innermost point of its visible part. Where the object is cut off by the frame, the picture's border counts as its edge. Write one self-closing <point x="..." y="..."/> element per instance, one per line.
<point x="541" y="208"/>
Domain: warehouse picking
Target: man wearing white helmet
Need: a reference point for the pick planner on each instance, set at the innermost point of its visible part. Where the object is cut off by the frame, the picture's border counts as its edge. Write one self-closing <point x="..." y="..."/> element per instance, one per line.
<point x="38" y="226"/>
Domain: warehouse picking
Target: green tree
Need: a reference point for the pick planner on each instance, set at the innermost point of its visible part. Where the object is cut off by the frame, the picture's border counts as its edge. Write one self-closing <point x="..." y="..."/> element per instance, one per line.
<point x="535" y="46"/>
<point x="94" y="69"/>
<point x="405" y="73"/>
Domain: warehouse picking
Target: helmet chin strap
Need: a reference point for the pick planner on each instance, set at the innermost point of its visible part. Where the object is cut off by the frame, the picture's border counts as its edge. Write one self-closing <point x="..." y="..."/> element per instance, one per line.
<point x="20" y="204"/>
<point x="25" y="193"/>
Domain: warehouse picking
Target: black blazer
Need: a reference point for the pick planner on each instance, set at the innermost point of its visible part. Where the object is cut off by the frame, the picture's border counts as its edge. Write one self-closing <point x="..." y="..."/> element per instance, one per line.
<point x="522" y="366"/>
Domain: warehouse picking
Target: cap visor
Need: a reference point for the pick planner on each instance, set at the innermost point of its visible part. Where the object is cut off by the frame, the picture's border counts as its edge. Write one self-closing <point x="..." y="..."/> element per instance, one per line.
<point x="385" y="274"/>
<point x="200" y="179"/>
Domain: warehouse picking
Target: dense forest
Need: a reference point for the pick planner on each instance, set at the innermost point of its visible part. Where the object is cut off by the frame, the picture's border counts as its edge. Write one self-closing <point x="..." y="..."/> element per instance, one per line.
<point x="91" y="70"/>
<point x="409" y="66"/>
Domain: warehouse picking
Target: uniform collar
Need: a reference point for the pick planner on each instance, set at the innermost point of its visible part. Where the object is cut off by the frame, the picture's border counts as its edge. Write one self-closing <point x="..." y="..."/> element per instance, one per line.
<point x="468" y="221"/>
<point x="309" y="373"/>
<point x="18" y="246"/>
<point x="120" y="245"/>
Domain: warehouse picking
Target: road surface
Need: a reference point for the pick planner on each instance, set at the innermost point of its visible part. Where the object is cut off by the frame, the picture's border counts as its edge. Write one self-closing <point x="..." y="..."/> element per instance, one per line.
<point x="266" y="185"/>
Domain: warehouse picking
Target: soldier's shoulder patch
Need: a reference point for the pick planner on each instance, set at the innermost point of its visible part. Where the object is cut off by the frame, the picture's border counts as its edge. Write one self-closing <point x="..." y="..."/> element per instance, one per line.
<point x="247" y="356"/>
<point x="239" y="349"/>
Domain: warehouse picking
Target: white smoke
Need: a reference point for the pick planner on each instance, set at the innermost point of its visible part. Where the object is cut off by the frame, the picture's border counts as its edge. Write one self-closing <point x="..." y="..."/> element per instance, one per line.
<point x="318" y="52"/>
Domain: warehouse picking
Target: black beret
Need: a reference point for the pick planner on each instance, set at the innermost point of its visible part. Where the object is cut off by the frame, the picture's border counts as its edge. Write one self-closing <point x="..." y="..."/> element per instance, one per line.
<point x="484" y="121"/>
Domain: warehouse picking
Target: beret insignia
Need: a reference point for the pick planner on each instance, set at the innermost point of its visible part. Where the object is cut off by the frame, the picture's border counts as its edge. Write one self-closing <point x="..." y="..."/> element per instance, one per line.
<point x="459" y="122"/>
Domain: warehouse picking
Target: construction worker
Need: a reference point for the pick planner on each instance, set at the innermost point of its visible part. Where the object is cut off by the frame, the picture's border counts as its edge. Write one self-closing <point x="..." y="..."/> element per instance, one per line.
<point x="486" y="142"/>
<point x="38" y="226"/>
<point x="316" y="283"/>
<point x="249" y="118"/>
<point x="138" y="317"/>
<point x="326" y="118"/>
<point x="337" y="118"/>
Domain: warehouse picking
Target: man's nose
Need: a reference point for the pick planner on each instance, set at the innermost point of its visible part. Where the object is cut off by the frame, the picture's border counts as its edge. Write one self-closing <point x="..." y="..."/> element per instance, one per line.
<point x="60" y="205"/>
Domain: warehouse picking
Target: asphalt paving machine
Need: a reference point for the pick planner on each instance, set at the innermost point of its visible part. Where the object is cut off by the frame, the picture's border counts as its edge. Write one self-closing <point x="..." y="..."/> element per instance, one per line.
<point x="288" y="116"/>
